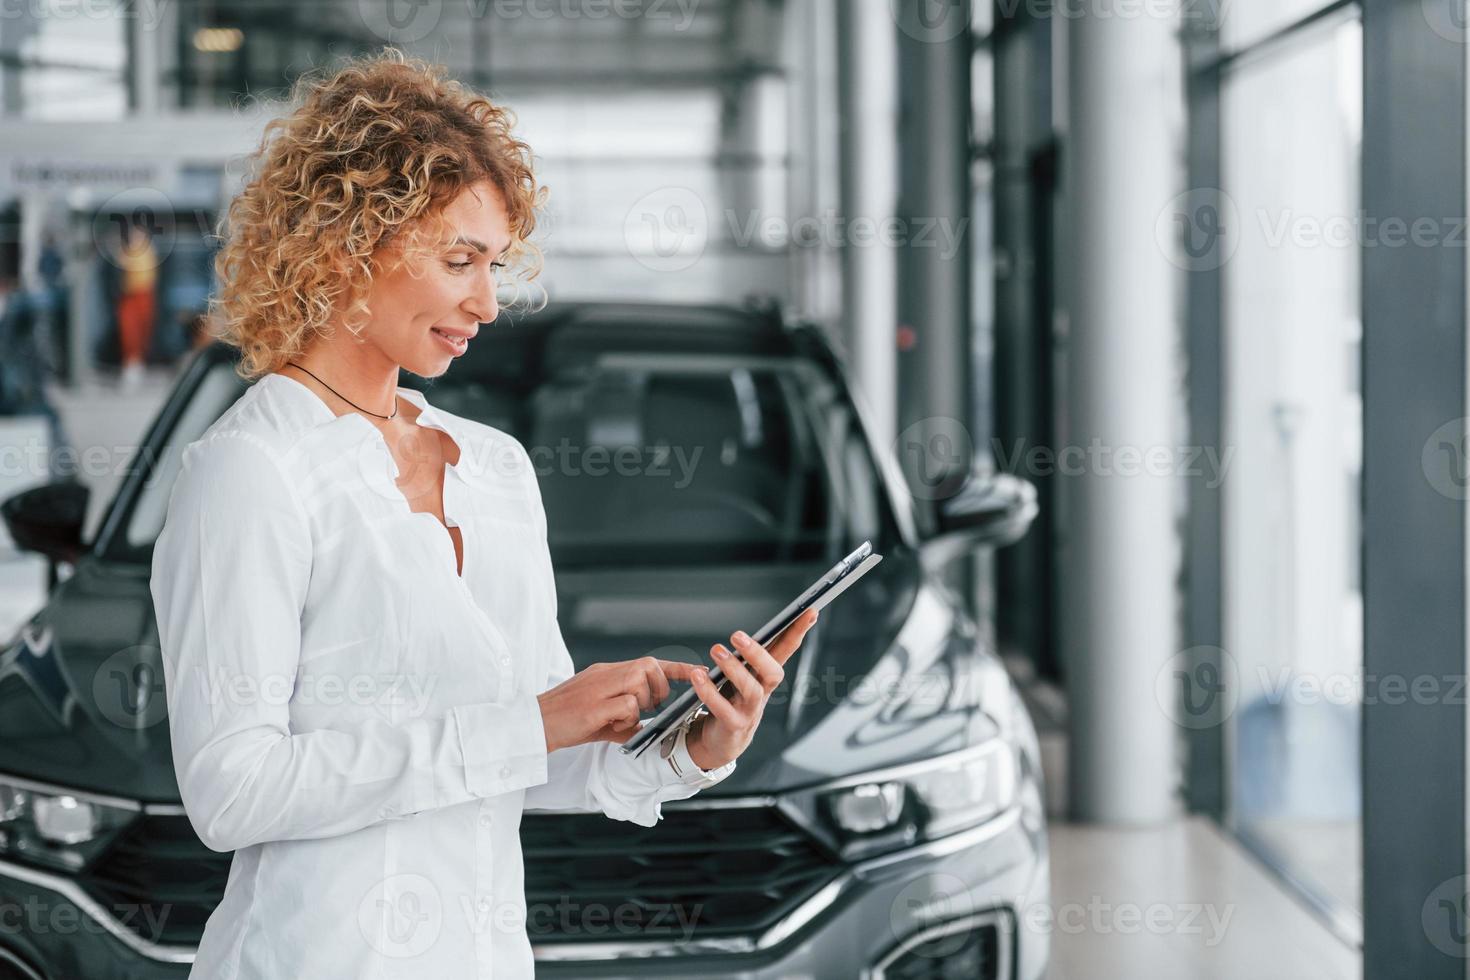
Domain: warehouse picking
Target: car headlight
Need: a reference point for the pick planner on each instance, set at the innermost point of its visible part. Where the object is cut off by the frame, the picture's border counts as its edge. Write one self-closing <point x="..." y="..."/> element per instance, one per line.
<point x="922" y="800"/>
<point x="56" y="828"/>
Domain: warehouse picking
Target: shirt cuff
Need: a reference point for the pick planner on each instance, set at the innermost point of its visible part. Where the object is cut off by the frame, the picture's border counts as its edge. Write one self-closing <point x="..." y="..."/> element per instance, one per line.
<point x="684" y="768"/>
<point x="503" y="744"/>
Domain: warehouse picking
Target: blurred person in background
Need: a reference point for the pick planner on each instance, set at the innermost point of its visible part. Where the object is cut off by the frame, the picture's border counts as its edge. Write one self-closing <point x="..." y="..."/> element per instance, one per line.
<point x="25" y="361"/>
<point x="137" y="300"/>
<point x="53" y="303"/>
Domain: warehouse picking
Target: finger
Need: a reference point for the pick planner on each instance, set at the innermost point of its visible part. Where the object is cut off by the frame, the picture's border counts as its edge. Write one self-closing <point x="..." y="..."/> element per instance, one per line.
<point x="617" y="712"/>
<point x="716" y="702"/>
<point x="738" y="673"/>
<point x="762" y="663"/>
<point x="615" y="732"/>
<point x="658" y="684"/>
<point x="790" y="638"/>
<point x="636" y="684"/>
<point x="680" y="671"/>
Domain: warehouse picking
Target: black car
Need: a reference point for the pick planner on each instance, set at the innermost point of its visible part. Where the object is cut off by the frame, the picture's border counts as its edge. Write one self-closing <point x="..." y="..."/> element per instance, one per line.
<point x="698" y="465"/>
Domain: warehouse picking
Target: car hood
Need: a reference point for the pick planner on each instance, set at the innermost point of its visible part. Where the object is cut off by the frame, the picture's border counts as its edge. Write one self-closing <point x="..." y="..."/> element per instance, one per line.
<point x="890" y="672"/>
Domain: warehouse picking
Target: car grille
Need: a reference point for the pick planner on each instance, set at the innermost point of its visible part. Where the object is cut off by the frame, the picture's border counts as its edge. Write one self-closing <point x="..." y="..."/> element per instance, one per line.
<point x="160" y="879"/>
<point x="699" y="873"/>
<point x="975" y="951"/>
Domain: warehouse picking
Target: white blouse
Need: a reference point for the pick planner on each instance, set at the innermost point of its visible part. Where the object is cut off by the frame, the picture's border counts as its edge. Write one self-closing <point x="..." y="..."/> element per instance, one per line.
<point x="350" y="716"/>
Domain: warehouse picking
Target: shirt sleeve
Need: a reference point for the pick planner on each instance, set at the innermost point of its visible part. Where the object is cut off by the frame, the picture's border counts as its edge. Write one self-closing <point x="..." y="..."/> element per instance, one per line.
<point x="229" y="582"/>
<point x="596" y="776"/>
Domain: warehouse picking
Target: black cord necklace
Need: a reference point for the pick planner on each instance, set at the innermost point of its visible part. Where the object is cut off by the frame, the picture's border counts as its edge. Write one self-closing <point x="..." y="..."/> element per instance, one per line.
<point x="346" y="399"/>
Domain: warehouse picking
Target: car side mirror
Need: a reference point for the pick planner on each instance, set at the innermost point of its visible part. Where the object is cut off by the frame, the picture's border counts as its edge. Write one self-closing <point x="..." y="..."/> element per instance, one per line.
<point x="48" y="519"/>
<point x="991" y="510"/>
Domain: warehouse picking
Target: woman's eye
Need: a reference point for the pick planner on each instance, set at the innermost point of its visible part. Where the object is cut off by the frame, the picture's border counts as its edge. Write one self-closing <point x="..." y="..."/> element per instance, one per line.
<point x="498" y="265"/>
<point x="460" y="266"/>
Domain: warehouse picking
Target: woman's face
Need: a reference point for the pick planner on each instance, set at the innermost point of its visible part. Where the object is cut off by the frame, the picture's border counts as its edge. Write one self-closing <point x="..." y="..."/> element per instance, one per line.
<point x="455" y="290"/>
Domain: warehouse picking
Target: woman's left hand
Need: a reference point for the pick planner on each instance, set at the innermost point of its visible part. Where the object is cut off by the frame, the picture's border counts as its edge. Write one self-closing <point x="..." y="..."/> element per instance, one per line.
<point x="722" y="735"/>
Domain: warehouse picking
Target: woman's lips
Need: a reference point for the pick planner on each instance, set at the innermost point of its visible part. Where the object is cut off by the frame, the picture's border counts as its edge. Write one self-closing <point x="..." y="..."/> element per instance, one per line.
<point x="455" y="343"/>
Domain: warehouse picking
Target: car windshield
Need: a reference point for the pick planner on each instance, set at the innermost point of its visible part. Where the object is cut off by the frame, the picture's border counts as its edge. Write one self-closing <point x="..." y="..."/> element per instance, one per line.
<point x="642" y="456"/>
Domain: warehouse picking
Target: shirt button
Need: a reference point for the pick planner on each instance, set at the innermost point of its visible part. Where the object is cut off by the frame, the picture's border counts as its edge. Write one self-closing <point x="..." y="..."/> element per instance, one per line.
<point x="484" y="905"/>
<point x="485" y="818"/>
<point x="504" y="772"/>
<point x="505" y="661"/>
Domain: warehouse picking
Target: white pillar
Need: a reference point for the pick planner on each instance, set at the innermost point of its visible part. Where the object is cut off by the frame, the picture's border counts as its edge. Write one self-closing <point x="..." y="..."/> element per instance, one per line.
<point x="1120" y="559"/>
<point x="867" y="52"/>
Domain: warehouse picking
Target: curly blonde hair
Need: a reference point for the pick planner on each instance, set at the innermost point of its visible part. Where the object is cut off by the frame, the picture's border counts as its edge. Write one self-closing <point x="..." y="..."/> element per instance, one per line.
<point x="368" y="159"/>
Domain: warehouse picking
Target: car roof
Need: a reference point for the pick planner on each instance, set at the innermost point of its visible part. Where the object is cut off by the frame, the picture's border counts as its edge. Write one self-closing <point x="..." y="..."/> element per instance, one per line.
<point x="568" y="328"/>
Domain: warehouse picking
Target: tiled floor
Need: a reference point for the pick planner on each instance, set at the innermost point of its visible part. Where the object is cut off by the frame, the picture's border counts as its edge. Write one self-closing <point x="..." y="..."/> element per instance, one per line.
<point x="1182" y="902"/>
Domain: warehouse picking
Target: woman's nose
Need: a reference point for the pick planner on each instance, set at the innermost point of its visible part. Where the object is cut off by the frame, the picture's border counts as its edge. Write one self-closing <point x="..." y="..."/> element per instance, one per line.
<point x="482" y="304"/>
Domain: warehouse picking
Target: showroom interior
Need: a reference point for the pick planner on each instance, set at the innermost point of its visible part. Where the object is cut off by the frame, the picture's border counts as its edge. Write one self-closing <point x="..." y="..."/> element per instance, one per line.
<point x="1154" y="317"/>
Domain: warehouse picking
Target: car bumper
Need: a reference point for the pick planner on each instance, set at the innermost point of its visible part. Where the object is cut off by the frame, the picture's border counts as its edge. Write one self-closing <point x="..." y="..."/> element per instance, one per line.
<point x="52" y="929"/>
<point x="996" y="876"/>
<point x="923" y="901"/>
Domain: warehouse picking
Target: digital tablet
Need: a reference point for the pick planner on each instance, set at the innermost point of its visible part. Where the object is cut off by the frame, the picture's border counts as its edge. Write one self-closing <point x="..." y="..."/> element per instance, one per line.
<point x="831" y="585"/>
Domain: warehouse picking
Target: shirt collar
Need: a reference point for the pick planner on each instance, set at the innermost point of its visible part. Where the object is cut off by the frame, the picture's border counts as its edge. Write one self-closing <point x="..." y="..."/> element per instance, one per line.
<point x="429" y="417"/>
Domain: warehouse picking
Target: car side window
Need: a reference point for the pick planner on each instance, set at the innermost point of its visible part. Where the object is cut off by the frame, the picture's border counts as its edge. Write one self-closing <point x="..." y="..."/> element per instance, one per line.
<point x="217" y="391"/>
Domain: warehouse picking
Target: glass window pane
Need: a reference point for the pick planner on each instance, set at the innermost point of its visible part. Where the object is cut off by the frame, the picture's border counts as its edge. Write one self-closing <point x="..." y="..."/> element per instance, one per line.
<point x="1293" y="612"/>
<point x="1243" y="22"/>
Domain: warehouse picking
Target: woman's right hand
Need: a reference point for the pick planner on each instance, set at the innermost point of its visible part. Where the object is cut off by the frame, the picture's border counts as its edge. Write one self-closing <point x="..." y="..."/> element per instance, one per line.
<point x="602" y="703"/>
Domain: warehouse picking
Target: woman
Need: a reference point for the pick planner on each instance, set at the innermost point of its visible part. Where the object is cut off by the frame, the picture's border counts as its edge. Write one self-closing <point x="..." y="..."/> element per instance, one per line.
<point x="365" y="679"/>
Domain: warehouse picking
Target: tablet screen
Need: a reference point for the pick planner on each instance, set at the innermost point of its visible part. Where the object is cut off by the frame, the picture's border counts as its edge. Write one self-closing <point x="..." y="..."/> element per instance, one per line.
<point x="826" y="588"/>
